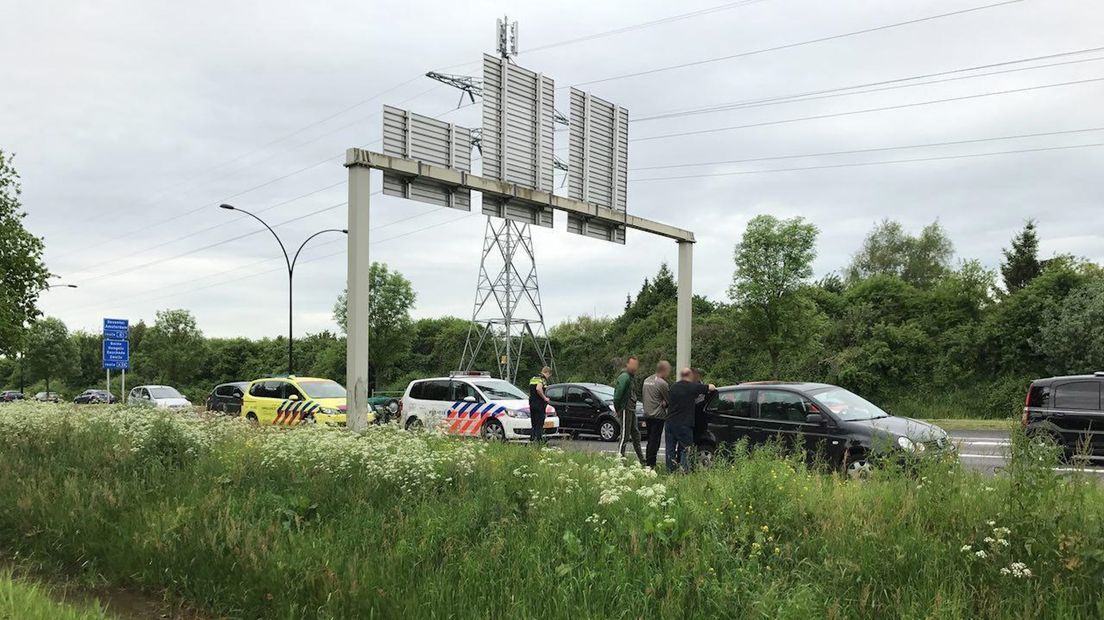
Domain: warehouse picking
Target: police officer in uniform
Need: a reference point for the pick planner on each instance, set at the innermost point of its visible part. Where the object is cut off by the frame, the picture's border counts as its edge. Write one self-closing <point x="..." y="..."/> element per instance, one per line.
<point x="538" y="402"/>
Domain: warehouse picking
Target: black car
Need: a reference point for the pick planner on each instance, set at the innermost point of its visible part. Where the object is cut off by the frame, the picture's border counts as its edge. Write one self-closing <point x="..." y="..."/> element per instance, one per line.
<point x="587" y="408"/>
<point x="1069" y="412"/>
<point x="822" y="420"/>
<point x="8" y="396"/>
<point x="227" y="398"/>
<point x="92" y="397"/>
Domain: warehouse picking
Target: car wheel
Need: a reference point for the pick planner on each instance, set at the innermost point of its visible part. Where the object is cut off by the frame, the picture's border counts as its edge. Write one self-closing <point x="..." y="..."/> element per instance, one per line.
<point x="252" y="418"/>
<point x="609" y="430"/>
<point x="414" y="424"/>
<point x="705" y="457"/>
<point x="1047" y="439"/>
<point x="859" y="468"/>
<point x="493" y="431"/>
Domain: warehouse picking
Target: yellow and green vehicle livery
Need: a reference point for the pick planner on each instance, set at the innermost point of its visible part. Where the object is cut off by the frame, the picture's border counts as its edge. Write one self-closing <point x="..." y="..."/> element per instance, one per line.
<point x="291" y="400"/>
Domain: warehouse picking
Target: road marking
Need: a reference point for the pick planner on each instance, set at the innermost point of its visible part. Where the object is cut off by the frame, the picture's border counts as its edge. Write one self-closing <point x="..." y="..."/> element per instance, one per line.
<point x="981" y="456"/>
<point x="984" y="442"/>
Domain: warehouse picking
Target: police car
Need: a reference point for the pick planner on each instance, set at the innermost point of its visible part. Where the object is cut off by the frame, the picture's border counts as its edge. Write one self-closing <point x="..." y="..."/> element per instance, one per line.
<point x="291" y="401"/>
<point x="472" y="404"/>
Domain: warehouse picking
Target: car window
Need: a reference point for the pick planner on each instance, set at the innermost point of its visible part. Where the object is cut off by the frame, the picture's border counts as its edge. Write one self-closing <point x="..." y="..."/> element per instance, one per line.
<point x="323" y="389"/>
<point x="1039" y="396"/>
<point x="287" y="390"/>
<point x="781" y="406"/>
<point x="576" y="396"/>
<point x="497" y="389"/>
<point x="165" y="392"/>
<point x="733" y="402"/>
<point x="267" y="389"/>
<point x="556" y="393"/>
<point x="462" y="390"/>
<point x="435" y="390"/>
<point x="1078" y="395"/>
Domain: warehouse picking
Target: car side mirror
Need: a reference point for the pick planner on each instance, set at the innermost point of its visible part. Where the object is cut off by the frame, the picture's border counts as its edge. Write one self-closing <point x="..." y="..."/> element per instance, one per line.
<point x="293" y="397"/>
<point x="588" y="400"/>
<point x="814" y="418"/>
<point x="469" y="399"/>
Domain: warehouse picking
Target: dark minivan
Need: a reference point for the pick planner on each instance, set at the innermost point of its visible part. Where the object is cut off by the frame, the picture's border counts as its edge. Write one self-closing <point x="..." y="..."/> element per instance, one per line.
<point x="588" y="408"/>
<point x="1068" y="411"/>
<point x="226" y="398"/>
<point x="817" y="418"/>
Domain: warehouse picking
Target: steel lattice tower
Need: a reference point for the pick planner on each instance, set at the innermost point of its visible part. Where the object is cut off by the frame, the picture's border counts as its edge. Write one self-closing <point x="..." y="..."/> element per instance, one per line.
<point x="507" y="310"/>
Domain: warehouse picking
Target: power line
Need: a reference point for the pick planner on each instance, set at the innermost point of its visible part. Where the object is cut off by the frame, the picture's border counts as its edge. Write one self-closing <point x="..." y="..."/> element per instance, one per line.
<point x="864" y="111"/>
<point x="634" y="27"/>
<point x="871" y="150"/>
<point x="892" y="85"/>
<point x="798" y="44"/>
<point x="868" y="163"/>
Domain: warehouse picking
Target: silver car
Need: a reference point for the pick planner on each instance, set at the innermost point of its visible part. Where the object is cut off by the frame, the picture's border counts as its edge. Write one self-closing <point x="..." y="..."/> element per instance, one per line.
<point x="160" y="396"/>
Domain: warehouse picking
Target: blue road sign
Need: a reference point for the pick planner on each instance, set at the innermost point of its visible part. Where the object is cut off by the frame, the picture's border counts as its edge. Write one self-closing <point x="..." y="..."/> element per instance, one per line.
<point x="116" y="329"/>
<point x="116" y="354"/>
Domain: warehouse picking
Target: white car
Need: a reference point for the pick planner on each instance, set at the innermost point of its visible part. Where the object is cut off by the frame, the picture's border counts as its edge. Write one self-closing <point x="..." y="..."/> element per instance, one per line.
<point x="471" y="404"/>
<point x="161" y="396"/>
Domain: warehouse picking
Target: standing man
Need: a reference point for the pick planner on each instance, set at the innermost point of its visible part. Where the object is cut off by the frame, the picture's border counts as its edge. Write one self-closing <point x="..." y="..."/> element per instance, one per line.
<point x="538" y="403"/>
<point x="682" y="401"/>
<point x="655" y="409"/>
<point x="624" y="402"/>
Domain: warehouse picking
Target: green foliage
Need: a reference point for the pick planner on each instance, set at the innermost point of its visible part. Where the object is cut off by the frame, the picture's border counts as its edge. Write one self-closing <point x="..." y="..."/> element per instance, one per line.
<point x="1021" y="262"/>
<point x="773" y="261"/>
<point x="391" y="297"/>
<point x="321" y="523"/>
<point x="23" y="275"/>
<point x="889" y="250"/>
<point x="50" y="352"/>
<point x="22" y="599"/>
<point x="1071" y="338"/>
<point x="173" y="348"/>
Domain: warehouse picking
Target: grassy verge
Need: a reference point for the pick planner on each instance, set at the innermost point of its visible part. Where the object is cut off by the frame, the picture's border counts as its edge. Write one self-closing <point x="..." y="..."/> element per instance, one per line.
<point x="23" y="600"/>
<point x="951" y="424"/>
<point x="320" y="523"/>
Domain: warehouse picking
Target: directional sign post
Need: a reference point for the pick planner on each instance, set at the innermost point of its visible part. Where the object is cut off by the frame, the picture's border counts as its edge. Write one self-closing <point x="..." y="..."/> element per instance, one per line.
<point x="116" y="350"/>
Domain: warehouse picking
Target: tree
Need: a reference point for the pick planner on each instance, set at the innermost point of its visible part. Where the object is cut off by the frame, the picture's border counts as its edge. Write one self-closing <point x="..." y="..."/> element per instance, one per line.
<point x="889" y="250"/>
<point x="174" y="347"/>
<point x="1070" y="338"/>
<point x="1021" y="262"/>
<point x="23" y="275"/>
<point x="390" y="328"/>
<point x="50" y="352"/>
<point x="773" y="261"/>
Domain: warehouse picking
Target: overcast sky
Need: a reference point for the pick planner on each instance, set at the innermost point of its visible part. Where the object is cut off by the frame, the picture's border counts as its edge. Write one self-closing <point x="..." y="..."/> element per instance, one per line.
<point x="133" y="119"/>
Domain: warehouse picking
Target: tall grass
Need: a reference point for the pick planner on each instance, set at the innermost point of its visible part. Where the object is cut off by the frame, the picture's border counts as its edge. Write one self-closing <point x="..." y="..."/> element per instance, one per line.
<point x="23" y="600"/>
<point x="321" y="523"/>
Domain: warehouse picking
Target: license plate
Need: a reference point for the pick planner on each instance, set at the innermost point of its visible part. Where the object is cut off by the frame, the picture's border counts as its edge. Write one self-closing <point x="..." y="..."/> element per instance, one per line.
<point x="549" y="425"/>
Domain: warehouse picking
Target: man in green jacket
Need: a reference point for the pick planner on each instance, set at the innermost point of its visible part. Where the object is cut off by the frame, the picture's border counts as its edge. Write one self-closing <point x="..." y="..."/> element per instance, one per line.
<point x="624" y="403"/>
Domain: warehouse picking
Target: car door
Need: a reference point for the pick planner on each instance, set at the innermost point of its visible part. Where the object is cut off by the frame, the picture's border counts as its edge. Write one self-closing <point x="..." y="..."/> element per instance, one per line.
<point x="266" y="399"/>
<point x="465" y="402"/>
<point x="557" y="397"/>
<point x="782" y="417"/>
<point x="580" y="411"/>
<point x="731" y="416"/>
<point x="231" y="401"/>
<point x="1077" y="413"/>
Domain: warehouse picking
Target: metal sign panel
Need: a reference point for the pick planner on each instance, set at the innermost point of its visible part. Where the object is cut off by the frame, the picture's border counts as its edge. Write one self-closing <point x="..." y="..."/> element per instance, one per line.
<point x="413" y="136"/>
<point x="117" y="329"/>
<point x="116" y="354"/>
<point x="598" y="170"/>
<point x="518" y="117"/>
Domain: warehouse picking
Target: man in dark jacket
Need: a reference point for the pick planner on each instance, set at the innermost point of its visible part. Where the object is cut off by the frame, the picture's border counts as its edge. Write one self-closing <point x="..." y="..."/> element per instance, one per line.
<point x="624" y="402"/>
<point x="681" y="407"/>
<point x="538" y="404"/>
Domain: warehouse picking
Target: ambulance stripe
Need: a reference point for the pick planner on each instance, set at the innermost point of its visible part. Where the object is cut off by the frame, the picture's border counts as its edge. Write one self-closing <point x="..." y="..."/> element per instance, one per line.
<point x="278" y="416"/>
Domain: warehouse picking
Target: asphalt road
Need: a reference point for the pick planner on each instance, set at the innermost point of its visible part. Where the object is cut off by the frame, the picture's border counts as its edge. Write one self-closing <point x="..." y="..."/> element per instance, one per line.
<point x="985" y="451"/>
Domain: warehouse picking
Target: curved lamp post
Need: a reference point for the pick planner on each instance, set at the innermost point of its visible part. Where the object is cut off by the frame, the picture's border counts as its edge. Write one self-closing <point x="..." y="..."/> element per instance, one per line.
<point x="290" y="262"/>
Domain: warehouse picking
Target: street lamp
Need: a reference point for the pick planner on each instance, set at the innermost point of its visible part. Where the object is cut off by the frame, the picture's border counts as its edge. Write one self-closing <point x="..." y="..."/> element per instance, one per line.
<point x="23" y="354"/>
<point x="290" y="262"/>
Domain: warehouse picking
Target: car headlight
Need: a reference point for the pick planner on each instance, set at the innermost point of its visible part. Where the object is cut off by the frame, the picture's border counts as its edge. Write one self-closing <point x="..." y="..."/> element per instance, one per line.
<point x="517" y="413"/>
<point x="906" y="444"/>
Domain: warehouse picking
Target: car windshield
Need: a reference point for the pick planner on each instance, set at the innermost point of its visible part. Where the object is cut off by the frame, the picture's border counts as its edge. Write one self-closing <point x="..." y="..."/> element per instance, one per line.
<point x="497" y="388"/>
<point x="323" y="389"/>
<point x="604" y="392"/>
<point x="165" y="392"/>
<point x="848" y="405"/>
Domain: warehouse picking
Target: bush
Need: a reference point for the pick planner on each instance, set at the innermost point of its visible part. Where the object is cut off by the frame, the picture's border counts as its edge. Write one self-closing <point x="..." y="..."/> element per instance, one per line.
<point x="317" y="522"/>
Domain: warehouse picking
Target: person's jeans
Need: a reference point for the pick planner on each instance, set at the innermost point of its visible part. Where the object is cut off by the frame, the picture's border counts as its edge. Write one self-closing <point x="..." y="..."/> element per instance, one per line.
<point x="630" y="432"/>
<point x="679" y="439"/>
<point x="655" y="438"/>
<point x="536" y="421"/>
